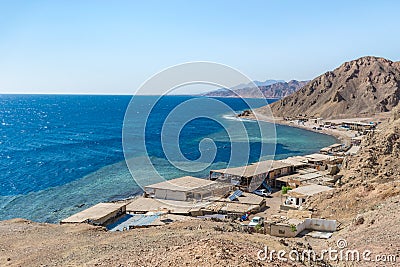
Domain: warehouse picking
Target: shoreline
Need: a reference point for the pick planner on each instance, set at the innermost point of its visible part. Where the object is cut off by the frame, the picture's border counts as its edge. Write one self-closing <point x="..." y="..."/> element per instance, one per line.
<point x="342" y="136"/>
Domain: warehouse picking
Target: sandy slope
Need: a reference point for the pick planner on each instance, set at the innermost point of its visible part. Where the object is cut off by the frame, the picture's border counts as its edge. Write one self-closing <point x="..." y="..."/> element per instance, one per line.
<point x="191" y="243"/>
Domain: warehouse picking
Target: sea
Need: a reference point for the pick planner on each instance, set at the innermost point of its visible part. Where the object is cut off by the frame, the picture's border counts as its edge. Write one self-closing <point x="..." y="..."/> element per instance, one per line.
<point x="60" y="154"/>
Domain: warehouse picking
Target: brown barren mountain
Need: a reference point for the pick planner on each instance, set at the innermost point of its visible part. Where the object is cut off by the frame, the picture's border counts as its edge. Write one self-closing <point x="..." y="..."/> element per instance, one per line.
<point x="363" y="86"/>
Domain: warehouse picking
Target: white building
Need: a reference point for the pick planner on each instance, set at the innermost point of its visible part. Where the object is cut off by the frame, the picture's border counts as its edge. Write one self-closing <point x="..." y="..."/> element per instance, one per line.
<point x="296" y="197"/>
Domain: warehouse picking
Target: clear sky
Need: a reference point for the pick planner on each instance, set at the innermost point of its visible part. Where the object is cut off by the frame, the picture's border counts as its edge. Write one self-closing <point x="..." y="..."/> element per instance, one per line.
<point x="111" y="47"/>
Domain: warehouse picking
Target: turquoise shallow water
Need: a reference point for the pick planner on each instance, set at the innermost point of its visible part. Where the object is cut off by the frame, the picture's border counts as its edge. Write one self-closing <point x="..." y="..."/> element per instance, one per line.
<point x="62" y="154"/>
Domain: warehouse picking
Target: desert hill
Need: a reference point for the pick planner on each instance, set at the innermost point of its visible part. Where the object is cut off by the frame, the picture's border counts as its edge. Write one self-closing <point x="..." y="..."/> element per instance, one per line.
<point x="360" y="87"/>
<point x="189" y="243"/>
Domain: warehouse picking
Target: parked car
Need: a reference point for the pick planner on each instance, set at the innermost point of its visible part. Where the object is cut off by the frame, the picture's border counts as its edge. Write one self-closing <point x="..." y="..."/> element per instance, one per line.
<point x="256" y="221"/>
<point x="262" y="192"/>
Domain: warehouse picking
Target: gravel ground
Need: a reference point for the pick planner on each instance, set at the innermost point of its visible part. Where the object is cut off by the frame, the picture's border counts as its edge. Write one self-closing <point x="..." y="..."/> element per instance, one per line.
<point x="190" y="243"/>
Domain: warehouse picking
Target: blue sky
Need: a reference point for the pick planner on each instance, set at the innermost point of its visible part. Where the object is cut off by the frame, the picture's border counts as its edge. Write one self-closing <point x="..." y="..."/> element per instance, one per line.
<point x="111" y="47"/>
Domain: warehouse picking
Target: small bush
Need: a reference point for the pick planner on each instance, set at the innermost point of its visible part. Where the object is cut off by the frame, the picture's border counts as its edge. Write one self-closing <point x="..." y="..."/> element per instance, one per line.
<point x="285" y="189"/>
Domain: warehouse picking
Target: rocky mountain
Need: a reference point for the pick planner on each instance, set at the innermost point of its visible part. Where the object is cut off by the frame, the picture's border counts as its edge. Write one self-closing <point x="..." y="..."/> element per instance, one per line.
<point x="360" y="87"/>
<point x="257" y="83"/>
<point x="275" y="90"/>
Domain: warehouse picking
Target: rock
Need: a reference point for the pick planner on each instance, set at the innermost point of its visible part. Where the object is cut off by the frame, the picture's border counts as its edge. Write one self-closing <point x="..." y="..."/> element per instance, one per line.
<point x="283" y="242"/>
<point x="359" y="220"/>
<point x="245" y="113"/>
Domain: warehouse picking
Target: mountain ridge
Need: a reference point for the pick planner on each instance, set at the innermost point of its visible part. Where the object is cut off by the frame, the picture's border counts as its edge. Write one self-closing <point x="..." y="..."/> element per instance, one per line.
<point x="363" y="86"/>
<point x="274" y="90"/>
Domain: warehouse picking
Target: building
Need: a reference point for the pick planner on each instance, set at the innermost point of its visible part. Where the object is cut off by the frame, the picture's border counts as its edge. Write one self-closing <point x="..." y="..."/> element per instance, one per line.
<point x="358" y="126"/>
<point x="320" y="161"/>
<point x="356" y="141"/>
<point x="142" y="205"/>
<point x="291" y="227"/>
<point x="240" y="204"/>
<point x="296" y="180"/>
<point x="187" y="188"/>
<point x="99" y="214"/>
<point x="298" y="162"/>
<point x="362" y="126"/>
<point x="318" y="121"/>
<point x="310" y="176"/>
<point x="332" y="149"/>
<point x="331" y="123"/>
<point x="296" y="197"/>
<point x="251" y="177"/>
<point x="244" y="202"/>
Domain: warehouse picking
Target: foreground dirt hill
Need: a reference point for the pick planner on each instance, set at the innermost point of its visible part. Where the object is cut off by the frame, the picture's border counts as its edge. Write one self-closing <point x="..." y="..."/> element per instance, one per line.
<point x="360" y="87"/>
<point x="189" y="243"/>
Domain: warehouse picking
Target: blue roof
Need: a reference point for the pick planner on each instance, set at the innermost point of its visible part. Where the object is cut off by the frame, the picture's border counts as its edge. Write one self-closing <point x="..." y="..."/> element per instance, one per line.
<point x="130" y="220"/>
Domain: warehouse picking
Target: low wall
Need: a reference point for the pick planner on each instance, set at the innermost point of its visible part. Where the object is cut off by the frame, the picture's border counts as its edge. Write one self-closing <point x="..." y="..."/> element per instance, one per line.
<point x="321" y="225"/>
<point x="287" y="207"/>
<point x="285" y="230"/>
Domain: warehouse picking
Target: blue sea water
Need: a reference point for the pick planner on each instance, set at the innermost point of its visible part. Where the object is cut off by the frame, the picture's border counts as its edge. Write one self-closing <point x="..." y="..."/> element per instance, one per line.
<point x="60" y="154"/>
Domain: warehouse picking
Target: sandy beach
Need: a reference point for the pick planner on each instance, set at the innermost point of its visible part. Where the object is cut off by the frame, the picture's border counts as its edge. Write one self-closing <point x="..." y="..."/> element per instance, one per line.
<point x="341" y="134"/>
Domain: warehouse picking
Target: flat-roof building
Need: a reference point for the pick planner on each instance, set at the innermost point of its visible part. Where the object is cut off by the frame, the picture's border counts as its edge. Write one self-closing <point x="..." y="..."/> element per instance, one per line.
<point x="321" y="160"/>
<point x="187" y="188"/>
<point x="332" y="149"/>
<point x="298" y="162"/>
<point x="143" y="205"/>
<point x="99" y="214"/>
<point x="358" y="126"/>
<point x="356" y="141"/>
<point x="250" y="177"/>
<point x="296" y="197"/>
